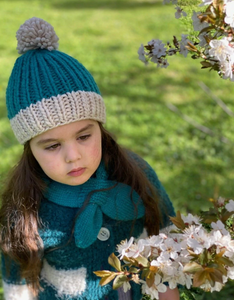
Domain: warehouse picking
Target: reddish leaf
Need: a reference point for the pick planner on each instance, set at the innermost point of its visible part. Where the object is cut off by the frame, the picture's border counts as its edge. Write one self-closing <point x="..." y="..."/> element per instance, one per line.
<point x="177" y="221"/>
<point x="200" y="278"/>
<point x="216" y="275"/>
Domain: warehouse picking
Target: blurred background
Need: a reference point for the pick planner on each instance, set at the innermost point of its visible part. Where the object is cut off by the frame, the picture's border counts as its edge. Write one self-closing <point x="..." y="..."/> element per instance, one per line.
<point x="162" y="114"/>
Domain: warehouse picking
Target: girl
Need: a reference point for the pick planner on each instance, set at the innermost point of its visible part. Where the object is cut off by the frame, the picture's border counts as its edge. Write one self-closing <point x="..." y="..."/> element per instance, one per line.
<point x="75" y="193"/>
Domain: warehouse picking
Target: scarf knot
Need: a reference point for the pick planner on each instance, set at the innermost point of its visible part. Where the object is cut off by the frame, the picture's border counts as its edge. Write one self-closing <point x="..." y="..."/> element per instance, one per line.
<point x="94" y="198"/>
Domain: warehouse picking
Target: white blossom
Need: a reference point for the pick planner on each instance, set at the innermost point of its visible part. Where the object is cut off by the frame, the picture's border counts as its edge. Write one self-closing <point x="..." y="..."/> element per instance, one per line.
<point x="157" y="287"/>
<point x="154" y="291"/>
<point x="195" y="245"/>
<point x="219" y="226"/>
<point x="141" y="53"/>
<point x="230" y="206"/>
<point x="216" y="288"/>
<point x="167" y="230"/>
<point x="183" y="43"/>
<point x="159" y="49"/>
<point x="226" y="68"/>
<point x="220" y="49"/>
<point x="135" y="249"/>
<point x="124" y="246"/>
<point x="164" y="63"/>
<point x="190" y="219"/>
<point x="229" y="18"/>
<point x="221" y="201"/>
<point x="222" y="241"/>
<point x="179" y="277"/>
<point x="155" y="240"/>
<point x="126" y="286"/>
<point x="230" y="272"/>
<point x="154" y="41"/>
<point x="171" y="247"/>
<point x="197" y="238"/>
<point x="164" y="263"/>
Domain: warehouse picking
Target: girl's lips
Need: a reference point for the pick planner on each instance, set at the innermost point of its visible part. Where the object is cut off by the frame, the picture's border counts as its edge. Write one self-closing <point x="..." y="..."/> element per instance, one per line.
<point x="76" y="172"/>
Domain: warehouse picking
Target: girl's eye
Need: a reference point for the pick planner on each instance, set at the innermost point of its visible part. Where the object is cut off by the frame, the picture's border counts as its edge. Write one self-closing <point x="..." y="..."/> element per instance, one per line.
<point x="52" y="147"/>
<point x="84" y="137"/>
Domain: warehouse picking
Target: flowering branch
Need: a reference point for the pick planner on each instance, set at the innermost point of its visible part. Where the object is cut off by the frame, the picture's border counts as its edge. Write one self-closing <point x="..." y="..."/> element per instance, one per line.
<point x="216" y="99"/>
<point x="194" y="252"/>
<point x="213" y="39"/>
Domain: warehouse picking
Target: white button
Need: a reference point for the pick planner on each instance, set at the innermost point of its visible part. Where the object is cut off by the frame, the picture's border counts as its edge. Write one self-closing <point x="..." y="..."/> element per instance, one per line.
<point x="103" y="234"/>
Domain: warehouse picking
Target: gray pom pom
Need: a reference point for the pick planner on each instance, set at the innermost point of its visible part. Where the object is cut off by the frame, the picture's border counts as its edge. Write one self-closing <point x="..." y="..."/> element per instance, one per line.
<point x="36" y="33"/>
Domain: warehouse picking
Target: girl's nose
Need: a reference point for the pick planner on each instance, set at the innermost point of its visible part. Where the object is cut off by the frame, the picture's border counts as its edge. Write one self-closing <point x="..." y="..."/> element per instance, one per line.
<point x="72" y="154"/>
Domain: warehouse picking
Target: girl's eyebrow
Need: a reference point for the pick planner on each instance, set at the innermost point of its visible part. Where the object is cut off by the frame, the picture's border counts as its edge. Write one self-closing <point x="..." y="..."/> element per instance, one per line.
<point x="44" y="141"/>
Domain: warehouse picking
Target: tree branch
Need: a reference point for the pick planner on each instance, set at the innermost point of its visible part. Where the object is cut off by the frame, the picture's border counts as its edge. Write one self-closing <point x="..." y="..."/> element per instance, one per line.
<point x="216" y="99"/>
<point x="195" y="124"/>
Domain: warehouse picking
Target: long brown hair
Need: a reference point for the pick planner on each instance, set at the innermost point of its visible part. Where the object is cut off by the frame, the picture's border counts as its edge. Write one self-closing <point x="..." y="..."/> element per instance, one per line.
<point x="19" y="219"/>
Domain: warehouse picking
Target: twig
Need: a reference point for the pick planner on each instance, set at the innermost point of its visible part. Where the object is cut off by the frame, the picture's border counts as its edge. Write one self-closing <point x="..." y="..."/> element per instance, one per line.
<point x="216" y="99"/>
<point x="195" y="124"/>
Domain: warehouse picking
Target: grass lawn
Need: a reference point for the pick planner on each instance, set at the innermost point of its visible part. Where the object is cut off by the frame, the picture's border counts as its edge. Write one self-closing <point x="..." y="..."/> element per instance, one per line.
<point x="105" y="35"/>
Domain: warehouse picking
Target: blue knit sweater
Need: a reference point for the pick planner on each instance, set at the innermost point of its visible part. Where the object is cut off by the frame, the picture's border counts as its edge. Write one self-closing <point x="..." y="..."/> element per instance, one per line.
<point x="67" y="272"/>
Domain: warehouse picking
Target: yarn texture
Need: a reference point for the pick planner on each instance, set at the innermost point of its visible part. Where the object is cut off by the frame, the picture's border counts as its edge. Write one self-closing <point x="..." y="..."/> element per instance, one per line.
<point x="36" y="33"/>
<point x="67" y="272"/>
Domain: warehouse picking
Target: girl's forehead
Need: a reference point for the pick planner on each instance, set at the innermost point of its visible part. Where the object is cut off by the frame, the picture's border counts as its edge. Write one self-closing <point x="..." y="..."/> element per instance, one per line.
<point x="68" y="129"/>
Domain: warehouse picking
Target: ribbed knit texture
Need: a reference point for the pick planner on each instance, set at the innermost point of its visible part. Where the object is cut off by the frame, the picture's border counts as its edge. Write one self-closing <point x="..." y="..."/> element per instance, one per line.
<point x="48" y="88"/>
<point x="58" y="221"/>
<point x="39" y="74"/>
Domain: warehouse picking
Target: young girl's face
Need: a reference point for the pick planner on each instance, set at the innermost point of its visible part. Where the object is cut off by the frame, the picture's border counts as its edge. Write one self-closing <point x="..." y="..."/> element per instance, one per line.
<point x="70" y="153"/>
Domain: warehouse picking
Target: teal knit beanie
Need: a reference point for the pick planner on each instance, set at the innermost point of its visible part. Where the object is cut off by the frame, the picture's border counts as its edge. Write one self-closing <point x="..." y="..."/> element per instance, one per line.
<point x="48" y="88"/>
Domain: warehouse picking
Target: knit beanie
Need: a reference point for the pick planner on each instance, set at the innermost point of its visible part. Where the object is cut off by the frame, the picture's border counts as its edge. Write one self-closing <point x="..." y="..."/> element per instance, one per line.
<point x="48" y="88"/>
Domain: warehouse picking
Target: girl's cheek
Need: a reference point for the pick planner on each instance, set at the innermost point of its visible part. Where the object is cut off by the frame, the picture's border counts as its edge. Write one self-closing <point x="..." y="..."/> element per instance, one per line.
<point x="97" y="152"/>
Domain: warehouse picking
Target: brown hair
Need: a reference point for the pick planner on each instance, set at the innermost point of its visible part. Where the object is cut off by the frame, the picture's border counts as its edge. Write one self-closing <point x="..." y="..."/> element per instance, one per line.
<point x="19" y="219"/>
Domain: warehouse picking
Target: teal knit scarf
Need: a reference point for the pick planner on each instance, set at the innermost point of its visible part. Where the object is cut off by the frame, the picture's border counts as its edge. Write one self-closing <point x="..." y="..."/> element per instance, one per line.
<point x="114" y="200"/>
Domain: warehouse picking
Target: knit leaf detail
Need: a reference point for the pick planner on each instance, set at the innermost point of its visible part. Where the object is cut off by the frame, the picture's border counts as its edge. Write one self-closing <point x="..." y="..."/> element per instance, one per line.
<point x="36" y="33"/>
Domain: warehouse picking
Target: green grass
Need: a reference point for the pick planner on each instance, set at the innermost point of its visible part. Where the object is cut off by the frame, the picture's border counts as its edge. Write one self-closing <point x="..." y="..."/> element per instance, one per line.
<point x="105" y="35"/>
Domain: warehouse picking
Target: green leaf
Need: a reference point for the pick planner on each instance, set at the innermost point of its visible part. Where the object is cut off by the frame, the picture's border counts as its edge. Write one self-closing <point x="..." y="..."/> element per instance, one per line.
<point x="192" y="267"/>
<point x="134" y="270"/>
<point x="103" y="273"/>
<point x="142" y="261"/>
<point x="114" y="262"/>
<point x="190" y="294"/>
<point x="119" y="281"/>
<point x="145" y="272"/>
<point x="203" y="257"/>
